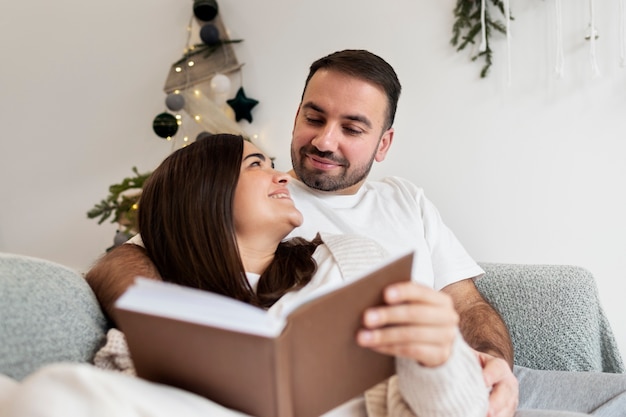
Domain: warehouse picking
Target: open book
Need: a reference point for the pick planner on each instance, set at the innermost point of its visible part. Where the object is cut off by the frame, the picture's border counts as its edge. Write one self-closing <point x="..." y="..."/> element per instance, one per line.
<point x="303" y="363"/>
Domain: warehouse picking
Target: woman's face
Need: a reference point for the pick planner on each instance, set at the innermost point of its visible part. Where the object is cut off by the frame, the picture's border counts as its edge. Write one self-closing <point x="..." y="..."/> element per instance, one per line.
<point x="262" y="204"/>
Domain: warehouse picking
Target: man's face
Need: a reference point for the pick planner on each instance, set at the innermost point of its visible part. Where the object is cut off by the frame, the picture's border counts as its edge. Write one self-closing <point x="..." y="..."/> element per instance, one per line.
<point x="339" y="132"/>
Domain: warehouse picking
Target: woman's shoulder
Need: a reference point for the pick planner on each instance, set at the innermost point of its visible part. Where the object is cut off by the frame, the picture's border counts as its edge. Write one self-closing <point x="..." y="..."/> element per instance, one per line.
<point x="352" y="252"/>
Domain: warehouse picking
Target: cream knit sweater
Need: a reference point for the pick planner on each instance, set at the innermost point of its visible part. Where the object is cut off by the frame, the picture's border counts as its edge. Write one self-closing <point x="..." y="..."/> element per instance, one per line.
<point x="454" y="389"/>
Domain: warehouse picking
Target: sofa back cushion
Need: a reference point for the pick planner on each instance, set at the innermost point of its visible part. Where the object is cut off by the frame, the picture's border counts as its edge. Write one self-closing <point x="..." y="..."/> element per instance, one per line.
<point x="48" y="314"/>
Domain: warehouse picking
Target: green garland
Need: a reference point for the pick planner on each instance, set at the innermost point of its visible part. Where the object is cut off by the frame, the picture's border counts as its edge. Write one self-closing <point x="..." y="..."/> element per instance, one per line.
<point x="467" y="26"/>
<point x="123" y="207"/>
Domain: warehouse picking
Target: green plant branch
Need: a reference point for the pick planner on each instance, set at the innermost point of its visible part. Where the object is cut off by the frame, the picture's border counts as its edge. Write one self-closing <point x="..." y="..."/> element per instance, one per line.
<point x="467" y="27"/>
<point x="119" y="205"/>
<point x="207" y="49"/>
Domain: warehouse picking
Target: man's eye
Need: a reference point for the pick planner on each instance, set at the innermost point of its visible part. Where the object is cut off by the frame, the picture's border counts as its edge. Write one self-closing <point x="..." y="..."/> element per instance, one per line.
<point x="314" y="121"/>
<point x="353" y="132"/>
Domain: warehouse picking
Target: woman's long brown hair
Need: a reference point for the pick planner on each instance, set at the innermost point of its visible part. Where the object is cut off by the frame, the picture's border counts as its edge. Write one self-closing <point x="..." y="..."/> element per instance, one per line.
<point x="186" y="222"/>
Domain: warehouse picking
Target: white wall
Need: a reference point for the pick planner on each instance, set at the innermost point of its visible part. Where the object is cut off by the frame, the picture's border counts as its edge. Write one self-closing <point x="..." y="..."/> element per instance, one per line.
<point x="527" y="173"/>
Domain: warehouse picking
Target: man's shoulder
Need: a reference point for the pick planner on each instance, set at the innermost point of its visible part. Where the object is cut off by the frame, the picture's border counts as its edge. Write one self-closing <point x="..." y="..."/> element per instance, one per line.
<point x="390" y="186"/>
<point x="394" y="184"/>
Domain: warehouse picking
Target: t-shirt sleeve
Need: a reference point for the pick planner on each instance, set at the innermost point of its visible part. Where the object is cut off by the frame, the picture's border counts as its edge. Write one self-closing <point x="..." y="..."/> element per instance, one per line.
<point x="450" y="261"/>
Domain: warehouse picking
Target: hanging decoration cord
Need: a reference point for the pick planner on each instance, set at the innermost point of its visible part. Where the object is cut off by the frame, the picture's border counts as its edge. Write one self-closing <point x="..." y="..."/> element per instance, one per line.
<point x="186" y="70"/>
<point x="559" y="68"/>
<point x="595" y="71"/>
<point x="507" y="18"/>
<point x="483" y="27"/>
<point x="622" y="34"/>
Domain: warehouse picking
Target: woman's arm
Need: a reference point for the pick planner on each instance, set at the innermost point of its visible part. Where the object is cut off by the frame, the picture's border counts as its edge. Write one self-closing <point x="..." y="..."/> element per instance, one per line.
<point x="438" y="373"/>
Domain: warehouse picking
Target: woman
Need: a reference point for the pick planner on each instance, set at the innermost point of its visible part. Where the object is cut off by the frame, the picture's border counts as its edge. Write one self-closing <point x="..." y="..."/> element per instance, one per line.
<point x="213" y="220"/>
<point x="214" y="215"/>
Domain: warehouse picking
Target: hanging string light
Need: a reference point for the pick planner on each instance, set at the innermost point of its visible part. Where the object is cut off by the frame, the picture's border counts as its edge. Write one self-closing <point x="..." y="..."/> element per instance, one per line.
<point x="205" y="63"/>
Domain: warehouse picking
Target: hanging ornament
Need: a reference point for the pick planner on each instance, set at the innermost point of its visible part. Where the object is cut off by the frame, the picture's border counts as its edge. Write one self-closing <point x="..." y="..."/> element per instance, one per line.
<point x="202" y="135"/>
<point x="120" y="238"/>
<point x="209" y="34"/>
<point x="205" y="10"/>
<point x="242" y="105"/>
<point x="220" y="90"/>
<point x="220" y="84"/>
<point x="175" y="101"/>
<point x="165" y="125"/>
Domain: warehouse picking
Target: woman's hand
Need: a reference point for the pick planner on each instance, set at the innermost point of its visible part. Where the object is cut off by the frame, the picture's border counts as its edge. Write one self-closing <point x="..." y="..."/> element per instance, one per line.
<point x="417" y="322"/>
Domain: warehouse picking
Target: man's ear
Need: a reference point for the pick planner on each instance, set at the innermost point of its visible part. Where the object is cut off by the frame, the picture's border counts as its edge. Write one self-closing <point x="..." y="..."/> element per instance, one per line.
<point x="384" y="144"/>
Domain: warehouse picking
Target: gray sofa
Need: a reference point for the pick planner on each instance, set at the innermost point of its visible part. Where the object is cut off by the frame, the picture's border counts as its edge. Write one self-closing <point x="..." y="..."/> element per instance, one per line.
<point x="49" y="314"/>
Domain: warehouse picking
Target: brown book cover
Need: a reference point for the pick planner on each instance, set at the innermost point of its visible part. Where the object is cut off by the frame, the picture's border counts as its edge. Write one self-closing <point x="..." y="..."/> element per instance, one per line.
<point x="313" y="365"/>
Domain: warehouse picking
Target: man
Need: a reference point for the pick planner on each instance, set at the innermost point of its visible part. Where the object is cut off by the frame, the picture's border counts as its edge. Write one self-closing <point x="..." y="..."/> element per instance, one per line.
<point x="344" y="124"/>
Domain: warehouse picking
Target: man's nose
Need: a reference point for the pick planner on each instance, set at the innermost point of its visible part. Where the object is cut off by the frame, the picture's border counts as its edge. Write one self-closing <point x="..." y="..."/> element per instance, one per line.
<point x="327" y="139"/>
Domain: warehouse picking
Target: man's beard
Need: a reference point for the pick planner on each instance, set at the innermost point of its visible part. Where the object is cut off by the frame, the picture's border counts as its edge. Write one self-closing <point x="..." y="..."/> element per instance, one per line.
<point x="322" y="180"/>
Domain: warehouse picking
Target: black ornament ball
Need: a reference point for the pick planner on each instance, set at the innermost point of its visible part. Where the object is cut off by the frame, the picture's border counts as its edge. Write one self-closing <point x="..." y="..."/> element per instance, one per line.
<point x="209" y="34"/>
<point x="205" y="9"/>
<point x="175" y="101"/>
<point x="165" y="125"/>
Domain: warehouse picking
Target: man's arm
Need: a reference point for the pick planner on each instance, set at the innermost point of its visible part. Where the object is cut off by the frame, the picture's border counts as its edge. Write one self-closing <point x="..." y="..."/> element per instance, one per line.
<point x="485" y="331"/>
<point x="481" y="325"/>
<point x="115" y="272"/>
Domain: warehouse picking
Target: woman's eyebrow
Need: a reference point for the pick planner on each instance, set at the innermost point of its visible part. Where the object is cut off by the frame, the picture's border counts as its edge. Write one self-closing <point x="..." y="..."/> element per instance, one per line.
<point x="255" y="155"/>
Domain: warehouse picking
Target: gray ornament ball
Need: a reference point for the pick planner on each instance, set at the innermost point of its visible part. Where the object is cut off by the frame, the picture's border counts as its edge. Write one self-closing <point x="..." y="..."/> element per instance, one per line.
<point x="120" y="238"/>
<point x="210" y="34"/>
<point x="175" y="101"/>
<point x="203" y="135"/>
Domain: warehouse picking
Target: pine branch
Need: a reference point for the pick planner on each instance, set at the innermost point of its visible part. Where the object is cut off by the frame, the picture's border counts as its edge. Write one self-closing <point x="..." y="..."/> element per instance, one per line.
<point x="122" y="207"/>
<point x="467" y="26"/>
<point x="204" y="48"/>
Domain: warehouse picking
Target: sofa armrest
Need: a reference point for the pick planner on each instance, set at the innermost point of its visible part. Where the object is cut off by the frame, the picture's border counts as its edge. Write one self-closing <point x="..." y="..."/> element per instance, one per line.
<point x="48" y="314"/>
<point x="554" y="316"/>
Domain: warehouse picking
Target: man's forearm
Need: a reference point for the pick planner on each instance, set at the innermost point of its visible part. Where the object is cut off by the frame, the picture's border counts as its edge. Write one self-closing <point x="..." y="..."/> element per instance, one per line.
<point x="480" y="324"/>
<point x="483" y="329"/>
<point x="112" y="274"/>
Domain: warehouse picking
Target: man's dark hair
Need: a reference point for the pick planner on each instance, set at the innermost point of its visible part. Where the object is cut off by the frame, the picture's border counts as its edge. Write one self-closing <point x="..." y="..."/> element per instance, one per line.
<point x="366" y="66"/>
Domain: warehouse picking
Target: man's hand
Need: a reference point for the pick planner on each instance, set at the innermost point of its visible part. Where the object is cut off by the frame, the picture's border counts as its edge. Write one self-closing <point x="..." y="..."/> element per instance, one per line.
<point x="418" y="323"/>
<point x="499" y="378"/>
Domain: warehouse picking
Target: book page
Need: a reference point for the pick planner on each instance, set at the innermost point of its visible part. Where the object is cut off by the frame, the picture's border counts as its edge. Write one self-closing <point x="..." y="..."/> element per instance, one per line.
<point x="198" y="306"/>
<point x="174" y="301"/>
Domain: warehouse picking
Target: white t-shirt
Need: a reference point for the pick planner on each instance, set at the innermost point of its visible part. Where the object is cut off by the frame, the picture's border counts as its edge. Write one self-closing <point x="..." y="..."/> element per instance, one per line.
<point x="396" y="214"/>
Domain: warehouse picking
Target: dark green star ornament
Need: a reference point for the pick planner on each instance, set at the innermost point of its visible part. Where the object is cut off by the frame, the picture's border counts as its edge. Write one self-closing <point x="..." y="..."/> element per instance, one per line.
<point x="242" y="105"/>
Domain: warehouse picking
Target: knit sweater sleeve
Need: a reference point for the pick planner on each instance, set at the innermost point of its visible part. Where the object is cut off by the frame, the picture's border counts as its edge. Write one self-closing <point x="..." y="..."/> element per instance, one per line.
<point x="453" y="389"/>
